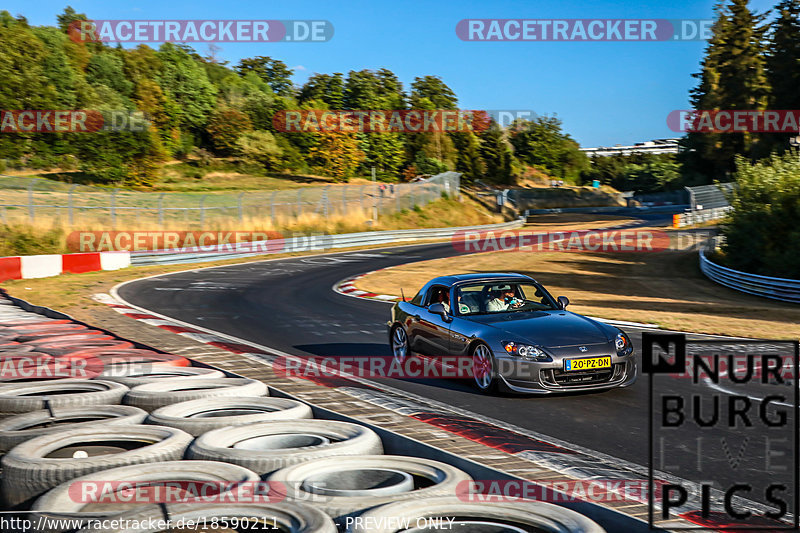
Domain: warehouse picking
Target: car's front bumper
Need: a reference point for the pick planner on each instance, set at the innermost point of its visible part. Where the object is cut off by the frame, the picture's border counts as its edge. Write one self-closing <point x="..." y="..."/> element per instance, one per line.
<point x="549" y="377"/>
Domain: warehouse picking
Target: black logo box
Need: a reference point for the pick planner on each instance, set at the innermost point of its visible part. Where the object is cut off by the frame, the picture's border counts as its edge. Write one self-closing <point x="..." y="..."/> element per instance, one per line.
<point x="676" y="365"/>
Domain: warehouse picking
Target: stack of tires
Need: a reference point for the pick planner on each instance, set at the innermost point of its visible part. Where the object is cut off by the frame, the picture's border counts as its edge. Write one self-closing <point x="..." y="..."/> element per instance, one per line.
<point x="141" y="436"/>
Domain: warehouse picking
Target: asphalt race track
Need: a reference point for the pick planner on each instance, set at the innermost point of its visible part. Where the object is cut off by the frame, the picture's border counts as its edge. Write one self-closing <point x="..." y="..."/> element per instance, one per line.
<point x="288" y="305"/>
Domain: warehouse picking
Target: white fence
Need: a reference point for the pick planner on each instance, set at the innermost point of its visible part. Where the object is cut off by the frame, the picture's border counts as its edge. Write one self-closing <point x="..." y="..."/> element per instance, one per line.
<point x="27" y="200"/>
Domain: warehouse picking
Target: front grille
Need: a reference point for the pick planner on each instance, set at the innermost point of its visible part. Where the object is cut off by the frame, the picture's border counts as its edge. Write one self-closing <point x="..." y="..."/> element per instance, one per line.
<point x="558" y="377"/>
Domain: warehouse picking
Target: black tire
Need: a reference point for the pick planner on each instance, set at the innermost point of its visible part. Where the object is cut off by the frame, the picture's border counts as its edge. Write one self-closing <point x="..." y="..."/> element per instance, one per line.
<point x="135" y="375"/>
<point x="20" y="428"/>
<point x="398" y="342"/>
<point x="151" y="396"/>
<point x="301" y="440"/>
<point x="30" y="469"/>
<point x="15" y="398"/>
<point x="60" y="503"/>
<point x="201" y="416"/>
<point x="289" y="518"/>
<point x="441" y="479"/>
<point x="527" y="515"/>
<point x="484" y="374"/>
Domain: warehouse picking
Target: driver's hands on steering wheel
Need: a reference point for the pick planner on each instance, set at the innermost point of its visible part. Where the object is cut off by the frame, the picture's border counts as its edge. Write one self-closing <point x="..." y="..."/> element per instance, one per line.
<point x="517" y="305"/>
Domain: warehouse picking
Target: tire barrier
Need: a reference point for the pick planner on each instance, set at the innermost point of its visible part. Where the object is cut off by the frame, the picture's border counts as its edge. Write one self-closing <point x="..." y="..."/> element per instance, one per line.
<point x="60" y="431"/>
<point x="44" y="462"/>
<point x="151" y="396"/>
<point x="201" y="416"/>
<point x="342" y="486"/>
<point x="283" y="517"/>
<point x="133" y="375"/>
<point x="26" y="397"/>
<point x="105" y="494"/>
<point x="267" y="446"/>
<point x="475" y="516"/>
<point x="20" y="428"/>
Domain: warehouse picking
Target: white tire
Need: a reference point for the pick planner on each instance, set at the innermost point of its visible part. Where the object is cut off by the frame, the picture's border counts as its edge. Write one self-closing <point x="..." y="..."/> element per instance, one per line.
<point x="38" y="465"/>
<point x="151" y="396"/>
<point x="343" y="486"/>
<point x="267" y="446"/>
<point x="84" y="497"/>
<point x="201" y="416"/>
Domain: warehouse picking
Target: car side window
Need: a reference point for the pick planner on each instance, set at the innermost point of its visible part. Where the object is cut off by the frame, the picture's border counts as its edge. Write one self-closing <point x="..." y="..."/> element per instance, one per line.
<point x="438" y="294"/>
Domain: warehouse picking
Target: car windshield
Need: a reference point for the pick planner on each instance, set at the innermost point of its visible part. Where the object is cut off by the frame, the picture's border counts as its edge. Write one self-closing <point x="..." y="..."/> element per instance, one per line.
<point x="503" y="297"/>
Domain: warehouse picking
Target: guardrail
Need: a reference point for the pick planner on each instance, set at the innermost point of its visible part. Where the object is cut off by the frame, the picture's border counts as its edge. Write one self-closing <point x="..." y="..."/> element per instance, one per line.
<point x="699" y="216"/>
<point x="787" y="290"/>
<point x="303" y="243"/>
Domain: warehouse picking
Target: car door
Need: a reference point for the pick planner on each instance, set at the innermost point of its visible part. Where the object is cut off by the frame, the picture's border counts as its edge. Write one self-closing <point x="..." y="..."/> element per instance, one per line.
<point x="433" y="333"/>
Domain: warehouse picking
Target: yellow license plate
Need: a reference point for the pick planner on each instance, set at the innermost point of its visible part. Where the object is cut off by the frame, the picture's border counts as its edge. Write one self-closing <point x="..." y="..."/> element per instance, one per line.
<point x="587" y="363"/>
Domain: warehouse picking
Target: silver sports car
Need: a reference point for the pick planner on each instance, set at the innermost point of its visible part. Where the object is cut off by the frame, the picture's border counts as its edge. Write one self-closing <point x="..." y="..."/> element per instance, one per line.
<point x="517" y="336"/>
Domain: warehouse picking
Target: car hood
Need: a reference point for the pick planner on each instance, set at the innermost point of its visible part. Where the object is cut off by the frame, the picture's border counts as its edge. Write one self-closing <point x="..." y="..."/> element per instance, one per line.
<point x="551" y="329"/>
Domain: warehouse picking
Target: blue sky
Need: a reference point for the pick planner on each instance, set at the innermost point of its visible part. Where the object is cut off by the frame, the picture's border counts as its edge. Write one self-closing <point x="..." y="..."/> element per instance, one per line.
<point x="604" y="92"/>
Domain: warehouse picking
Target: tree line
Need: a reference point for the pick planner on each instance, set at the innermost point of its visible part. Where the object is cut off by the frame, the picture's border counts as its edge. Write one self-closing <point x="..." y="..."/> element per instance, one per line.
<point x="199" y="107"/>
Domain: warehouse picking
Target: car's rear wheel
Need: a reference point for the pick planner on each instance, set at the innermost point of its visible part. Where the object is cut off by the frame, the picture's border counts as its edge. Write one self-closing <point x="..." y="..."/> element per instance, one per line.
<point x="483" y="370"/>
<point x="399" y="344"/>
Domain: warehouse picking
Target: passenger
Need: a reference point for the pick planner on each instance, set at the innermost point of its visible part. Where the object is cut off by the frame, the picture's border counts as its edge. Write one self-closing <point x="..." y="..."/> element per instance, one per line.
<point x="444" y="298"/>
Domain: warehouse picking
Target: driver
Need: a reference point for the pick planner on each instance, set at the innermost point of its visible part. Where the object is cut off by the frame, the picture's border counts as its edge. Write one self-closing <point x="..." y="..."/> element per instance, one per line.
<point x="503" y="299"/>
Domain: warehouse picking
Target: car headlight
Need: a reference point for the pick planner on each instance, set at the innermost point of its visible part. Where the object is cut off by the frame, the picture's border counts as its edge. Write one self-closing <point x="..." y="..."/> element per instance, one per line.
<point x="623" y="344"/>
<point x="526" y="351"/>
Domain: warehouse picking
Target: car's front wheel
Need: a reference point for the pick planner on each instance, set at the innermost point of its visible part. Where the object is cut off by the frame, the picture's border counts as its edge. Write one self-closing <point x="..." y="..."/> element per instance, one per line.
<point x="399" y="344"/>
<point x="483" y="370"/>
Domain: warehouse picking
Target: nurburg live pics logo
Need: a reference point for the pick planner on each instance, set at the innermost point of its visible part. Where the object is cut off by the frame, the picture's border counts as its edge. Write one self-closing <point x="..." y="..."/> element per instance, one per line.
<point x="727" y="442"/>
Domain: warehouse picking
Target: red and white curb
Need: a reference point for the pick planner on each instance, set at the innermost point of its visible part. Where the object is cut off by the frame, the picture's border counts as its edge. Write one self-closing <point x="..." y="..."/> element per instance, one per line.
<point x="45" y="266"/>
<point x="348" y="288"/>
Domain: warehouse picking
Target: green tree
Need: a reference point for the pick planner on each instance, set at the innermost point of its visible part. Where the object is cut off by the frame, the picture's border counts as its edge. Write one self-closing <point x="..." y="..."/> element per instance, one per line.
<point x="185" y="82"/>
<point x="225" y="126"/>
<point x="783" y="64"/>
<point x="259" y="147"/>
<point x="273" y="71"/>
<point x="496" y="152"/>
<point x="327" y="88"/>
<point x="732" y="77"/>
<point x="435" y="90"/>
<point x="761" y="234"/>
<point x="337" y="155"/>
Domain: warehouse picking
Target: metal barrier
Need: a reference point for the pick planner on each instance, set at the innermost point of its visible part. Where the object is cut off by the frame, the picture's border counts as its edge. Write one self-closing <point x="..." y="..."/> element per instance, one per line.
<point x="304" y="243"/>
<point x="786" y="290"/>
<point x="701" y="216"/>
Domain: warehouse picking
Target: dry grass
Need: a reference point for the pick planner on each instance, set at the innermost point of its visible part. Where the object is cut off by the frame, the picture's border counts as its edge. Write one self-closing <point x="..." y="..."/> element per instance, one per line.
<point x="51" y="234"/>
<point x="665" y="288"/>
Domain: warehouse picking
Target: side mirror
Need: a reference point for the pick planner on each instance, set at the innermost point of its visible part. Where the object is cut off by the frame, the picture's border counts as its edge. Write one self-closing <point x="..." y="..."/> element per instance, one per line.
<point x="563" y="302"/>
<point x="438" y="309"/>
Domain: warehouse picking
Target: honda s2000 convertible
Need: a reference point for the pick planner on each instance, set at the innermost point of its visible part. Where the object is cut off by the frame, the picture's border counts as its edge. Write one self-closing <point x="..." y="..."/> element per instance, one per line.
<point x="518" y="337"/>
